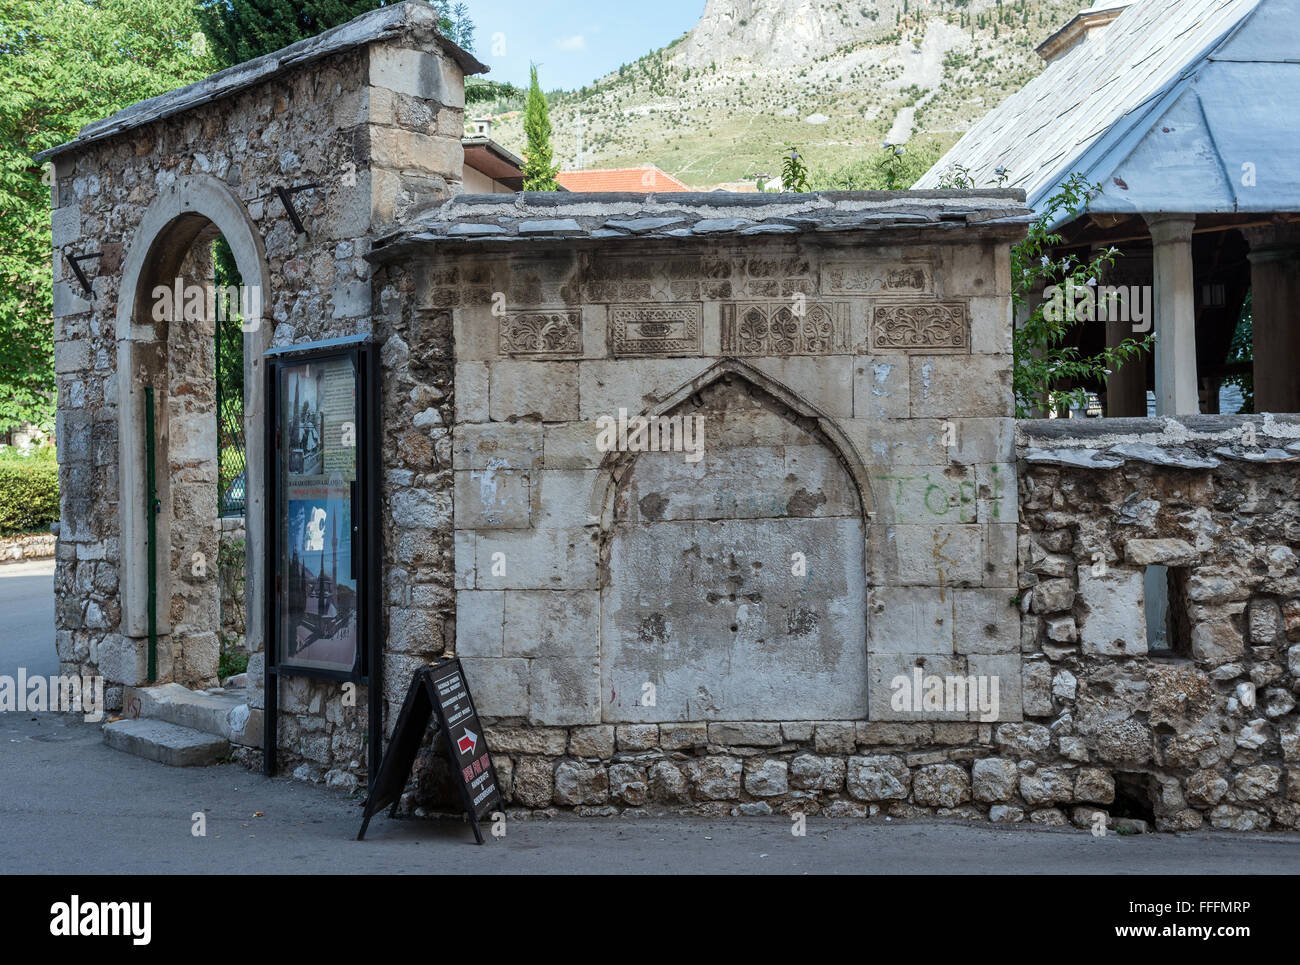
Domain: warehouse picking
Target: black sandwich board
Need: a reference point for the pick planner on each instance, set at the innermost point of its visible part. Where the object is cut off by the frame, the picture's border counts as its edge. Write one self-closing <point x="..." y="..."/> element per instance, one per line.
<point x="439" y="691"/>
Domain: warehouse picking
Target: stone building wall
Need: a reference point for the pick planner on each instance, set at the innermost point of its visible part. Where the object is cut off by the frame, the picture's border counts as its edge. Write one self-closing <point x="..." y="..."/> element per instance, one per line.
<point x="1204" y="732"/>
<point x="856" y="407"/>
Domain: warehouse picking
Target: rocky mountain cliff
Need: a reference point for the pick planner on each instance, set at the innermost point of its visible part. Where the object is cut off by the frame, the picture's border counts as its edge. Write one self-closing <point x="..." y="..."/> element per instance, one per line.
<point x="779" y="32"/>
<point x="720" y="104"/>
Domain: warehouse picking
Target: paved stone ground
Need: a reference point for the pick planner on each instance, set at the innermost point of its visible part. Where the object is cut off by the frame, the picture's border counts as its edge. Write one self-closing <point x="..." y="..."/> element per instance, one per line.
<point x="69" y="804"/>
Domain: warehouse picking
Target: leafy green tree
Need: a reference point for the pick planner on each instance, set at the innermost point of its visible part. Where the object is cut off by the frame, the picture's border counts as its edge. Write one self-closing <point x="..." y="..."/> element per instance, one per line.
<point x="479" y="91"/>
<point x="240" y="30"/>
<point x="64" y="63"/>
<point x="539" y="172"/>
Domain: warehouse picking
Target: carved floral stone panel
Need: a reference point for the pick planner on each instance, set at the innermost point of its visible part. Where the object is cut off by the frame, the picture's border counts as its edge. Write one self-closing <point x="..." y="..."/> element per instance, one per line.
<point x="545" y="333"/>
<point x="932" y="327"/>
<point x="780" y="328"/>
<point x="655" y="329"/>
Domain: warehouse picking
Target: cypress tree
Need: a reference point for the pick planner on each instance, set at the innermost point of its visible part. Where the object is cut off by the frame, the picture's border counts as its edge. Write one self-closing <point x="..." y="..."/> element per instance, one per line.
<point x="539" y="173"/>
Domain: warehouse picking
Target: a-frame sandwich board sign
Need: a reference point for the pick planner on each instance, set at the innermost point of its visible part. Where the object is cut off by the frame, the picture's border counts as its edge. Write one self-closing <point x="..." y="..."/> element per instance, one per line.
<point x="439" y="693"/>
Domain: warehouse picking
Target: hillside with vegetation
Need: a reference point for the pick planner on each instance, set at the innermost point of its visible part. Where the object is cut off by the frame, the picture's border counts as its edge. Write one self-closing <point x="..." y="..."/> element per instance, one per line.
<point x="721" y="102"/>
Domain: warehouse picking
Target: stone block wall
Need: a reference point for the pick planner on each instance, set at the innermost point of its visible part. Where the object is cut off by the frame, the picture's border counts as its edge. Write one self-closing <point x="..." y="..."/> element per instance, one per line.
<point x="926" y="429"/>
<point x="1204" y="733"/>
<point x="866" y="438"/>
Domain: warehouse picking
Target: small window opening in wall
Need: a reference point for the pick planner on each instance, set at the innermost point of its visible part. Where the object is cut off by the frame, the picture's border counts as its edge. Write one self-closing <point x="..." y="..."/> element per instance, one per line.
<point x="1165" y="599"/>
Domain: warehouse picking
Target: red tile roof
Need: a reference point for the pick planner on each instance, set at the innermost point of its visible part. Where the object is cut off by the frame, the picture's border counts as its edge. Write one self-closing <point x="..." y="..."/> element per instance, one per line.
<point x="641" y="180"/>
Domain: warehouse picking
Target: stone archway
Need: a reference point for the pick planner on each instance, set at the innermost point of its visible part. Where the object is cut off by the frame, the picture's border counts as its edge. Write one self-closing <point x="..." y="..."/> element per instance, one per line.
<point x="169" y="355"/>
<point x="733" y="587"/>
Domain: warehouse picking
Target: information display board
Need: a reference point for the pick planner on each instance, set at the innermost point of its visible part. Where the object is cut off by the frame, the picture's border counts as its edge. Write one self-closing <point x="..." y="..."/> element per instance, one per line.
<point x="323" y="547"/>
<point x="318" y="626"/>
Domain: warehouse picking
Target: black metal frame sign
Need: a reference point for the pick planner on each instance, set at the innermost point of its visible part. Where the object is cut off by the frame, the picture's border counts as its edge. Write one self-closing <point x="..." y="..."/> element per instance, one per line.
<point x="440" y="693"/>
<point x="323" y="536"/>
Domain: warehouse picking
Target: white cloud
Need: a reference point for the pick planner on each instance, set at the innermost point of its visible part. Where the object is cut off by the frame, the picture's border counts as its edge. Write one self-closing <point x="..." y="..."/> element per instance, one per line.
<point x="576" y="42"/>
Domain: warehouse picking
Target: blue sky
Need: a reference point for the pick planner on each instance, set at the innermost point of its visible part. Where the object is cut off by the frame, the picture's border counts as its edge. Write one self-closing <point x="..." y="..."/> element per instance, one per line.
<point x="573" y="41"/>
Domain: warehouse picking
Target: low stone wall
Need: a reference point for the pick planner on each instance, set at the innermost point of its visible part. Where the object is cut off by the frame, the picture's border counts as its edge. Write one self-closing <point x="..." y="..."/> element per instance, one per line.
<point x="1204" y="732"/>
<point x="835" y="768"/>
<point x="32" y="547"/>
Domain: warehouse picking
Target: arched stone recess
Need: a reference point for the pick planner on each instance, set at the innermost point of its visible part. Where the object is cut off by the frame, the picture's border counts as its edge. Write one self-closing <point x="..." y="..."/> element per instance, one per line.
<point x="733" y="567"/>
<point x="176" y="358"/>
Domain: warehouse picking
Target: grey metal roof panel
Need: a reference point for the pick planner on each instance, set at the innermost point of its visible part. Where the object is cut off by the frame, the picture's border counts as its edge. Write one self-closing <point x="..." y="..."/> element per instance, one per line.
<point x="1224" y="145"/>
<point x="1103" y="96"/>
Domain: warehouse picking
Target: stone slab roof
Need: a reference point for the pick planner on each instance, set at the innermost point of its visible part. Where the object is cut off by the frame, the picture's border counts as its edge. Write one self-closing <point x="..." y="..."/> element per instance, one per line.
<point x="496" y="219"/>
<point x="1180" y="442"/>
<point x="385" y="22"/>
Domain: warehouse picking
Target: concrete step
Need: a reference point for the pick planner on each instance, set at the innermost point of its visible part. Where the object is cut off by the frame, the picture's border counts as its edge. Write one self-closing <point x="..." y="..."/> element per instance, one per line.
<point x="157" y="740"/>
<point x="226" y="714"/>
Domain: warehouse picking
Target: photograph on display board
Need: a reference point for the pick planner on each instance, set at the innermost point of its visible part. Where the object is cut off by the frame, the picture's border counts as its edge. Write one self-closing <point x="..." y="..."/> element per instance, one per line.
<point x="320" y="589"/>
<point x="319" y="604"/>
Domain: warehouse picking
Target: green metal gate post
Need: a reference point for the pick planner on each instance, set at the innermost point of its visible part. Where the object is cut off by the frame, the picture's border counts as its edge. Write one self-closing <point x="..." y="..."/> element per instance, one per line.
<point x="151" y="511"/>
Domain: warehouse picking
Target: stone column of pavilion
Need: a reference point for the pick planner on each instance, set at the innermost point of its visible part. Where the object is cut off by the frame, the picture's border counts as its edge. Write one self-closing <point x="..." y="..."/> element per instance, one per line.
<point x="1175" y="313"/>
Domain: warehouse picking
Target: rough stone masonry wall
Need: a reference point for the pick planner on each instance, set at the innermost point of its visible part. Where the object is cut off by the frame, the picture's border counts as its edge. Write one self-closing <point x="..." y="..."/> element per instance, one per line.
<point x="390" y="113"/>
<point x="418" y="414"/>
<point x="930" y="425"/>
<point x="1207" y="734"/>
<point x="232" y="586"/>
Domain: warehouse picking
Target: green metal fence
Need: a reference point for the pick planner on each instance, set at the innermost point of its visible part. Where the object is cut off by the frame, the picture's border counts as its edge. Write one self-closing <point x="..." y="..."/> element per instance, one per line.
<point x="231" y="459"/>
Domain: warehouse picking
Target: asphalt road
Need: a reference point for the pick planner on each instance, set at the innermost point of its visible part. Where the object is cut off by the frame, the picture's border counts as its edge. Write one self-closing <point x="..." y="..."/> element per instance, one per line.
<point x="69" y="804"/>
<point x="27" y="618"/>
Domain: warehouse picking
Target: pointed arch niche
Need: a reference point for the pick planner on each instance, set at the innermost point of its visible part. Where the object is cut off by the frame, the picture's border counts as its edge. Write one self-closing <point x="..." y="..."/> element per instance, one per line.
<point x="733" y="585"/>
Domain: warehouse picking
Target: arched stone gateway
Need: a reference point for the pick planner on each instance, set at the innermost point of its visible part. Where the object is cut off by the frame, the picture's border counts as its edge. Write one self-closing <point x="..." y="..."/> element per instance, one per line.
<point x="159" y="344"/>
<point x="298" y="160"/>
<point x="733" y="568"/>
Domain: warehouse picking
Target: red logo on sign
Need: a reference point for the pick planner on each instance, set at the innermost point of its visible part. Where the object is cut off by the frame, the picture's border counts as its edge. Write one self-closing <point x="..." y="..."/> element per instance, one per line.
<point x="467" y="742"/>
